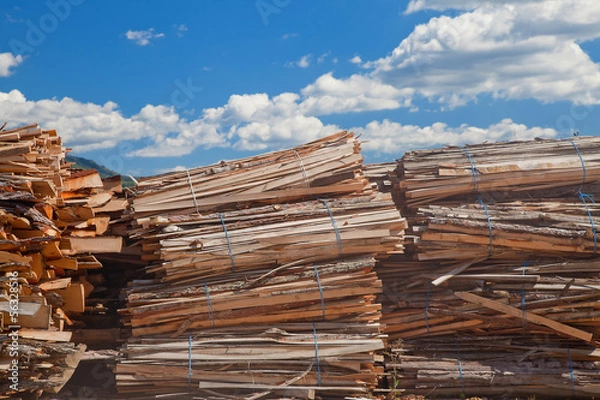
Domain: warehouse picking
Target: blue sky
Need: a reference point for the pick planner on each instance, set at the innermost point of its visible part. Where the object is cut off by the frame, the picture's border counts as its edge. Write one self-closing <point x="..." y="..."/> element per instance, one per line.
<point x="148" y="85"/>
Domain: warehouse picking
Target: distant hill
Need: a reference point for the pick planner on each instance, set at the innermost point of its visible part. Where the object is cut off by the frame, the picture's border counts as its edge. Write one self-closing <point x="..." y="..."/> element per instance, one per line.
<point x="84" y="163"/>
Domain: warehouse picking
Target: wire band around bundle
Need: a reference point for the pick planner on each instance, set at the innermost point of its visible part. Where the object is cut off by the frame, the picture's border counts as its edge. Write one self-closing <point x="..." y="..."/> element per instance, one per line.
<point x="582" y="162"/>
<point x="303" y="169"/>
<point x="523" y="304"/>
<point x="489" y="222"/>
<point x="189" y="361"/>
<point x="460" y="368"/>
<point x="317" y="354"/>
<point x="583" y="197"/>
<point x="474" y="170"/>
<point x="320" y="290"/>
<point x="228" y="242"/>
<point x="209" y="301"/>
<point x="571" y="371"/>
<point x="192" y="191"/>
<point x="335" y="227"/>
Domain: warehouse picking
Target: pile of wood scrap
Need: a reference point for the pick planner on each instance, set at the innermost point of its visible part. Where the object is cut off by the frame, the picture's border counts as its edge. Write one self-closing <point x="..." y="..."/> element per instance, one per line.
<point x="261" y="278"/>
<point x="256" y="361"/>
<point x="341" y="291"/>
<point x="504" y="257"/>
<point x="494" y="366"/>
<point x="43" y="365"/>
<point x="513" y="169"/>
<point x="196" y="247"/>
<point x="325" y="167"/>
<point x="505" y="230"/>
<point x="52" y="221"/>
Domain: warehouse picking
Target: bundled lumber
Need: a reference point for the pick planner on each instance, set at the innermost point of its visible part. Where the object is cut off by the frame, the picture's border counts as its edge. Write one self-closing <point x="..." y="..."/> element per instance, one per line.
<point x="261" y="279"/>
<point x="299" y="360"/>
<point x="192" y="247"/>
<point x="256" y="335"/>
<point x="52" y="221"/>
<point x="490" y="298"/>
<point x="36" y="365"/>
<point x="325" y="167"/>
<point x="499" y="168"/>
<point x="494" y="366"/>
<point x="342" y="290"/>
<point x="502" y="230"/>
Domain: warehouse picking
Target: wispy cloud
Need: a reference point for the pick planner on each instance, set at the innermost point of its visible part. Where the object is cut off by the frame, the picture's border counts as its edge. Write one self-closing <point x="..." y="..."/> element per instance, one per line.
<point x="180" y="29"/>
<point x="143" y="38"/>
<point x="178" y="168"/>
<point x="355" y="60"/>
<point x="322" y="57"/>
<point x="288" y="36"/>
<point x="8" y="61"/>
<point x="303" y="62"/>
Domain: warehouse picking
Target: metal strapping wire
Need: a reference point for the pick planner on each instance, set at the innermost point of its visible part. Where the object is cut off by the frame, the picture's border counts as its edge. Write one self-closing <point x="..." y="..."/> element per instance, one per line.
<point x="571" y="372"/>
<point x="474" y="170"/>
<point x="489" y="222"/>
<point x="190" y="361"/>
<point x="335" y="227"/>
<point x="523" y="305"/>
<point x="209" y="301"/>
<point x="192" y="190"/>
<point x="582" y="162"/>
<point x="583" y="197"/>
<point x="304" y="174"/>
<point x="317" y="354"/>
<point x="228" y="242"/>
<point x="320" y="290"/>
<point x="460" y="368"/>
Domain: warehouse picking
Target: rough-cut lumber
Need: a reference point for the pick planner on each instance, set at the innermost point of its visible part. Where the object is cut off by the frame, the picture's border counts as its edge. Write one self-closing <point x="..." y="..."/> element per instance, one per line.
<point x="343" y="290"/>
<point x="199" y="247"/>
<point x="51" y="218"/>
<point x="328" y="359"/>
<point x="495" y="367"/>
<point x="499" y="168"/>
<point x="325" y="167"/>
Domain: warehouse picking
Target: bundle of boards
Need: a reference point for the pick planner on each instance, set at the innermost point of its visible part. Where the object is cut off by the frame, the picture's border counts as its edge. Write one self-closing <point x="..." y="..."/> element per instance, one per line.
<point x="498" y="293"/>
<point x="261" y="279"/>
<point x="52" y="219"/>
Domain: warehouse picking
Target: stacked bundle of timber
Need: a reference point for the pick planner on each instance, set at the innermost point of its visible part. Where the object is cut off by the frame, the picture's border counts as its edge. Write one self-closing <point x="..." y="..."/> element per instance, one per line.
<point x="52" y="221"/>
<point x="326" y="167"/>
<point x="291" y="361"/>
<point x="261" y="278"/>
<point x="495" y="366"/>
<point x="503" y="262"/>
<point x="194" y="247"/>
<point x="506" y="171"/>
<point x="475" y="297"/>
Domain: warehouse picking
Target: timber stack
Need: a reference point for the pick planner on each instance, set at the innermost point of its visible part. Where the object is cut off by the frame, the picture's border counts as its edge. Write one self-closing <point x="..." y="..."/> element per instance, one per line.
<point x="53" y="219"/>
<point x="498" y="293"/>
<point x="261" y="278"/>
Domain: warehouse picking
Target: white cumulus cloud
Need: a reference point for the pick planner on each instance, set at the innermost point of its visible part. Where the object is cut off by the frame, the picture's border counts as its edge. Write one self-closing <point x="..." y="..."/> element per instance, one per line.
<point x="8" y="61"/>
<point x="388" y="137"/>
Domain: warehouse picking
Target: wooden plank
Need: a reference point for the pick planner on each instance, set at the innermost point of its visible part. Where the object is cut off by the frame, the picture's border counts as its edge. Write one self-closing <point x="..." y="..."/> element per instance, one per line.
<point x="530" y="317"/>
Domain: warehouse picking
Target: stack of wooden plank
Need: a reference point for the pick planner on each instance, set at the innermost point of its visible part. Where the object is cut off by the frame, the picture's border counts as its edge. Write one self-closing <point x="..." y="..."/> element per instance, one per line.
<point x="52" y="220"/>
<point x="259" y="361"/>
<point x="325" y="167"/>
<point x="507" y="170"/>
<point x="196" y="247"/>
<point x="495" y="367"/>
<point x="44" y="365"/>
<point x="261" y="279"/>
<point x="503" y="261"/>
